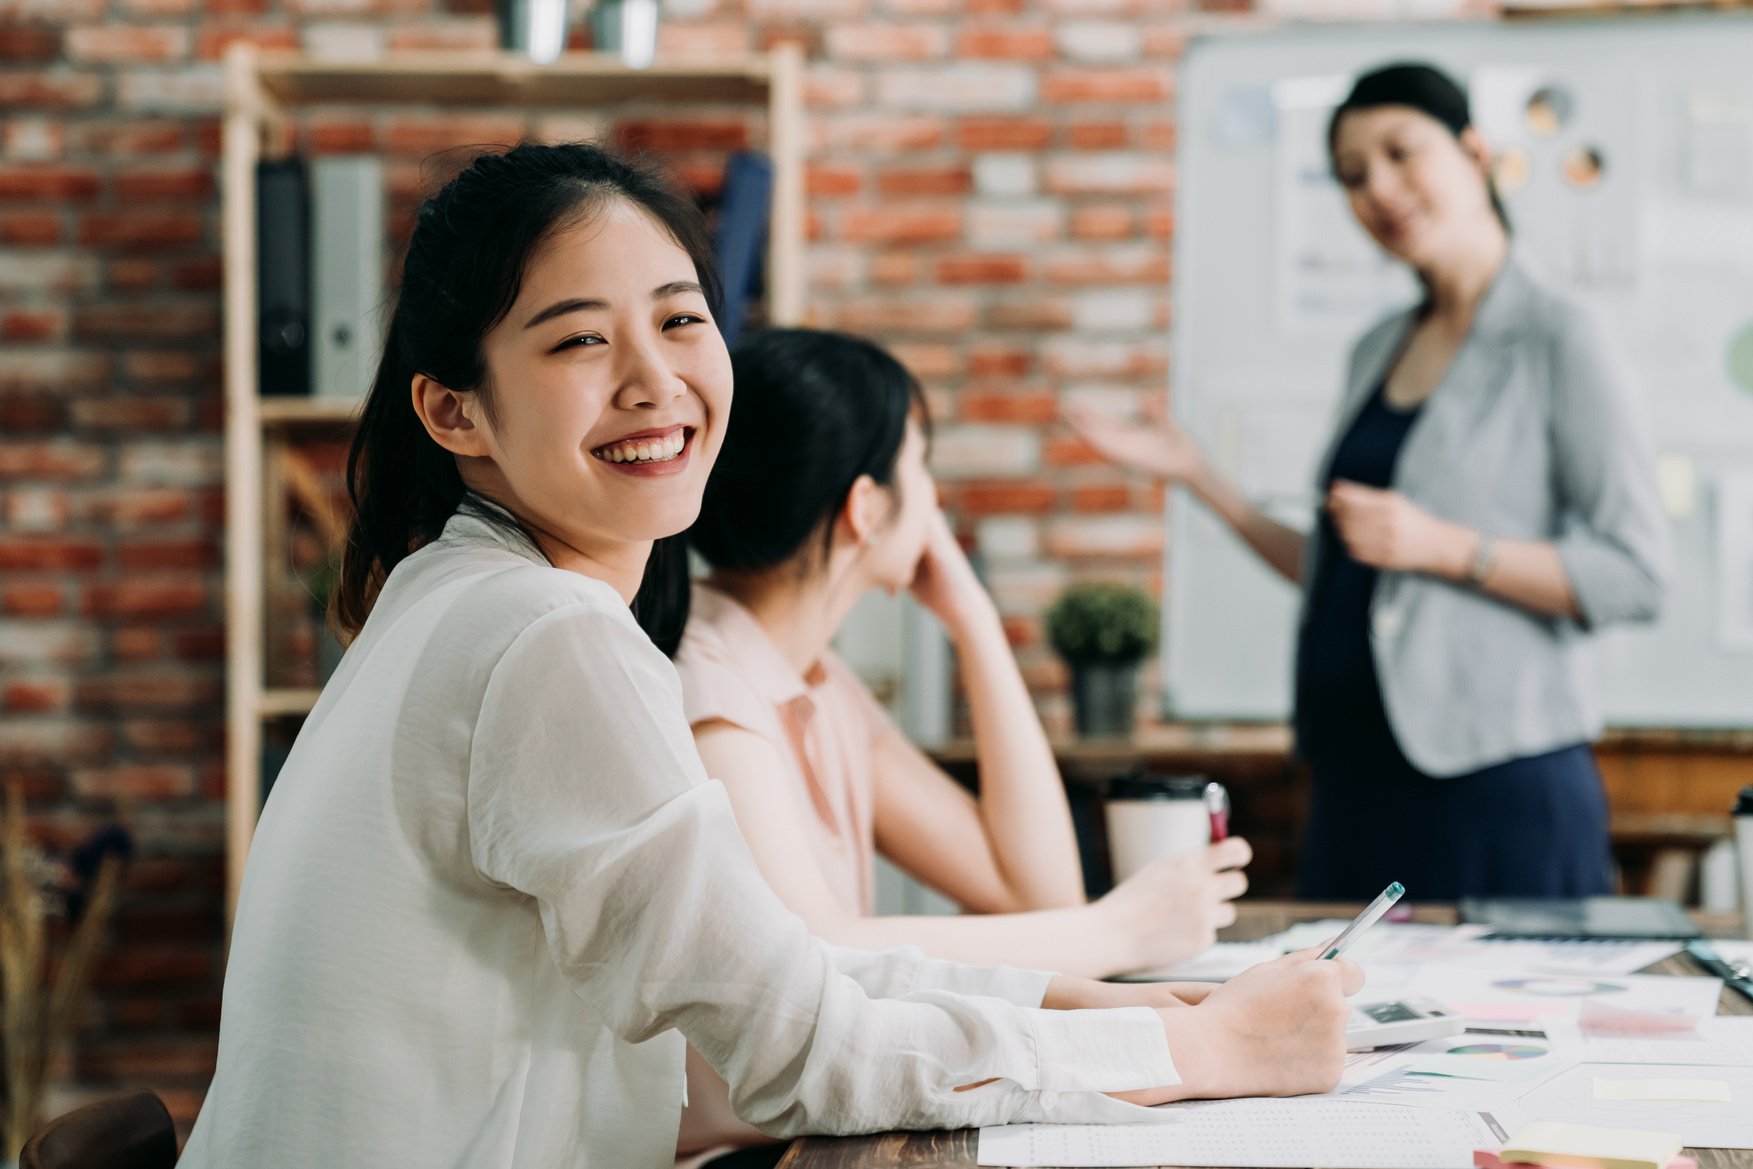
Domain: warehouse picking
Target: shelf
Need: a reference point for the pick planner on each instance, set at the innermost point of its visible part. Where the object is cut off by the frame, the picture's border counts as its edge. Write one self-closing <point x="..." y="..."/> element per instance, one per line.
<point x="576" y="79"/>
<point x="291" y="412"/>
<point x="284" y="703"/>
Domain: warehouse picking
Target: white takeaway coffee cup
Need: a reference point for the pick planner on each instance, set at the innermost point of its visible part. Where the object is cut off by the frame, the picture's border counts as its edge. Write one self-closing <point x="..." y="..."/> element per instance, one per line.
<point x="1150" y="817"/>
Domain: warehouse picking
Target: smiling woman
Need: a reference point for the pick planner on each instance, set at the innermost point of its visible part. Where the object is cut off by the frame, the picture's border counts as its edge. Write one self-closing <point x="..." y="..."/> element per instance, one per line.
<point x="493" y="887"/>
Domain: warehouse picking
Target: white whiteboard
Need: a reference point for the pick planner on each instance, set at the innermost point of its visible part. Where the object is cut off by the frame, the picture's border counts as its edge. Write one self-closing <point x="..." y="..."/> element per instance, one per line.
<point x="1273" y="283"/>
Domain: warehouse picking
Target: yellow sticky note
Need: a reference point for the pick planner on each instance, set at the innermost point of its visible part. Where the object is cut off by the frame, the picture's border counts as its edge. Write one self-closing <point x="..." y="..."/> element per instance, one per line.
<point x="1676" y="483"/>
<point x="1708" y="1091"/>
<point x="1552" y="1142"/>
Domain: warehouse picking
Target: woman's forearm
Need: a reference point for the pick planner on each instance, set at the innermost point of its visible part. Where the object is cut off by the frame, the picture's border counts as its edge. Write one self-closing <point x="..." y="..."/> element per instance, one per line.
<point x="1525" y="573"/>
<point x="1279" y="545"/>
<point x="1077" y="941"/>
<point x="1022" y="803"/>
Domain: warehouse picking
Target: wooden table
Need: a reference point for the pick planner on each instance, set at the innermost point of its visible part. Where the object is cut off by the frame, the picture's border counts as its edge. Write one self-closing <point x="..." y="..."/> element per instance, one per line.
<point x="955" y="1150"/>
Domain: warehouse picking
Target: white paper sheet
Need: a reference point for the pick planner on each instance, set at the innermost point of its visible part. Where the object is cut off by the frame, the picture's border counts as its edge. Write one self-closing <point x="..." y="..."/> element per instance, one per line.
<point x="1471" y="1072"/>
<point x="1723" y="1041"/>
<point x="1266" y="1133"/>
<point x="1507" y="998"/>
<point x="1223" y="961"/>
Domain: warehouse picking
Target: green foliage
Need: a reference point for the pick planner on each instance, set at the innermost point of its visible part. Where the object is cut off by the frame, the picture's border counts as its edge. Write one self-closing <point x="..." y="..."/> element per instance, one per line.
<point x="1102" y="623"/>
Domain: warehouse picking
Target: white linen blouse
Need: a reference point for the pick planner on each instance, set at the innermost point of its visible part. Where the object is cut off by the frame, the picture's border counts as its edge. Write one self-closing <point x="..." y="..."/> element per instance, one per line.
<point x="493" y="890"/>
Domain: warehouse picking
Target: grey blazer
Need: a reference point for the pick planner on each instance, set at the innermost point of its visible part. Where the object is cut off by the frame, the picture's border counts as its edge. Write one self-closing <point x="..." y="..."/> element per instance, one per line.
<point x="1533" y="434"/>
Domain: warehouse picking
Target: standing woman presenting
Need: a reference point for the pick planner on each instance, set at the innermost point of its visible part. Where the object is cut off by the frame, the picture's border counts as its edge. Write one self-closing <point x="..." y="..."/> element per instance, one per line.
<point x="1489" y="501"/>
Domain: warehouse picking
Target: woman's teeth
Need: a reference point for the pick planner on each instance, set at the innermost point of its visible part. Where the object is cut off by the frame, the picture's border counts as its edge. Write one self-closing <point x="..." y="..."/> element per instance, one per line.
<point x="644" y="450"/>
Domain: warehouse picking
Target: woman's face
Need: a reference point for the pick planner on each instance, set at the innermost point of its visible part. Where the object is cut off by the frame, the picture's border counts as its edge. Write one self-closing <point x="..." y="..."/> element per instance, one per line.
<point x="894" y="552"/>
<point x="1417" y="189"/>
<point x="610" y="387"/>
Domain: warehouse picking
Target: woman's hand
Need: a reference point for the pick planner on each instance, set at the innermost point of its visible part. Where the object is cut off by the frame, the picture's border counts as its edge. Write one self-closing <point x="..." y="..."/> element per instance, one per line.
<point x="944" y="581"/>
<point x="1154" y="446"/>
<point x="1384" y="529"/>
<point x="1066" y="993"/>
<point x="1171" y="909"/>
<point x="1275" y="1030"/>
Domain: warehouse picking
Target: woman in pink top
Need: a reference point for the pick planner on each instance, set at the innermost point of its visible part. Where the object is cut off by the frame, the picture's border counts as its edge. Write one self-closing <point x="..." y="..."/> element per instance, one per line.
<point x="820" y="494"/>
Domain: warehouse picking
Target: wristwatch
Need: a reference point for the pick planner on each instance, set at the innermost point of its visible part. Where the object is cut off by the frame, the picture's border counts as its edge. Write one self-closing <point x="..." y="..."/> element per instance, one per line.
<point x="1480" y="566"/>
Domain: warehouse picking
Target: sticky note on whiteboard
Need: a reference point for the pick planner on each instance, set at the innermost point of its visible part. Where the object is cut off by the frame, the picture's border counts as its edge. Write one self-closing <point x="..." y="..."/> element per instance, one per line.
<point x="1703" y="1091"/>
<point x="1677" y="481"/>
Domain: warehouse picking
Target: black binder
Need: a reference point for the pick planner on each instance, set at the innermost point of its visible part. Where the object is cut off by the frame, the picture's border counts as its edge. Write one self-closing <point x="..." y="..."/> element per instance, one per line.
<point x="283" y="277"/>
<point x="739" y="237"/>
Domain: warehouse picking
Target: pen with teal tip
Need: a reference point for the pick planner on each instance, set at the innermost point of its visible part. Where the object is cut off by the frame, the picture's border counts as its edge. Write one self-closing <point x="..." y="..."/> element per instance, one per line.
<point x="1364" y="920"/>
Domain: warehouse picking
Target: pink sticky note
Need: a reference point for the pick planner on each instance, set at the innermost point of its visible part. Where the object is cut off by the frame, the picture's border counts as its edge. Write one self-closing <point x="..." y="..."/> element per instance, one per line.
<point x="1486" y="1159"/>
<point x="1598" y="1018"/>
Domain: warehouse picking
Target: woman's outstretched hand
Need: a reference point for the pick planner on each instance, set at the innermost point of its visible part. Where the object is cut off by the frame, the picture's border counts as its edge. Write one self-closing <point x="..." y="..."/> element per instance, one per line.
<point x="1155" y="446"/>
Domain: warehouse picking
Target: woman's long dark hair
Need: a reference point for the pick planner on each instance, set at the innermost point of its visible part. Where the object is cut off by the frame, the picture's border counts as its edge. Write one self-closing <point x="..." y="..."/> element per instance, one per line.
<point x="813" y="411"/>
<point x="465" y="264"/>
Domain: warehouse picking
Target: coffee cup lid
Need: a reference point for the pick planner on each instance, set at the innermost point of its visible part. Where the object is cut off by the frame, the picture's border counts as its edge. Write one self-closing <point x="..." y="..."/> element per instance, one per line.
<point x="1134" y="786"/>
<point x="1744" y="805"/>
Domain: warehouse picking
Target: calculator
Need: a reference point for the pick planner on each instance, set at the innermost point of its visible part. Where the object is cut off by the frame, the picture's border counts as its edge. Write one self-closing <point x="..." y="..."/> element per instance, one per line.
<point x="1400" y="1021"/>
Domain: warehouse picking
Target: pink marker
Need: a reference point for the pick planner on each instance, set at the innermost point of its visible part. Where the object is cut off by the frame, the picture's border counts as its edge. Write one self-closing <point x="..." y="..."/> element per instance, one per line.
<point x="1217" y="803"/>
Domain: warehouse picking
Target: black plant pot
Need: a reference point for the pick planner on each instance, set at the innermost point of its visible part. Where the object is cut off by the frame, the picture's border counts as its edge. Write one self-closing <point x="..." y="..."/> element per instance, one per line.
<point x="1104" y="697"/>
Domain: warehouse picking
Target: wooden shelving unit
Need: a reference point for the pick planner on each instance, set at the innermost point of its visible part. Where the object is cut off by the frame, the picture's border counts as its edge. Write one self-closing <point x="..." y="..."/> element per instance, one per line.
<point x="263" y="93"/>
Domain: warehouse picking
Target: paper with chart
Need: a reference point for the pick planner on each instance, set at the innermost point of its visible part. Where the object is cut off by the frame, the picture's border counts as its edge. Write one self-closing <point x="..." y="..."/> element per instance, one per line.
<point x="1478" y="1072"/>
<point x="1509" y="999"/>
<point x="1720" y="1124"/>
<point x="1402" y="943"/>
<point x="1265" y="1133"/>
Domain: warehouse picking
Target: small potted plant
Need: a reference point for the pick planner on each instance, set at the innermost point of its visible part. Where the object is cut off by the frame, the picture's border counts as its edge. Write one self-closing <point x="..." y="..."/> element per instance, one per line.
<point x="1103" y="631"/>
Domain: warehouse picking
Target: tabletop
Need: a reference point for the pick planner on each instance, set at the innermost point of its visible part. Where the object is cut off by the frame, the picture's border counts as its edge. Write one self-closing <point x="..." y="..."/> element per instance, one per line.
<point x="1255" y="919"/>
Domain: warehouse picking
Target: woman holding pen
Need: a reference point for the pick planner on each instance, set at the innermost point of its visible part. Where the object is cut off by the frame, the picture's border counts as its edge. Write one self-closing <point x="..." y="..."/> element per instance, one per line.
<point x="1489" y="503"/>
<point x="493" y="887"/>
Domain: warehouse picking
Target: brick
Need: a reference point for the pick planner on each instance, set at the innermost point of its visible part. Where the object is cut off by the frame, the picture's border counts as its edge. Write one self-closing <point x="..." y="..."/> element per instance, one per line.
<point x="924" y="181"/>
<point x="165" y="183"/>
<point x="132" y="414"/>
<point x="902" y="224"/>
<point x="918" y="313"/>
<point x="832" y="87"/>
<point x="20" y="44"/>
<point x="1005" y="498"/>
<point x="202" y="274"/>
<point x="832" y="182"/>
<point x="146" y="322"/>
<point x="1005" y="175"/>
<point x="148" y="1061"/>
<point x="131" y="274"/>
<point x="42" y="643"/>
<point x="1101" y="497"/>
<point x="141" y="644"/>
<point x="161" y="597"/>
<point x="36" y="695"/>
<point x="1022" y="632"/>
<point x="1099" y="40"/>
<point x="982" y="268"/>
<point x="170" y="736"/>
<point x="135" y="229"/>
<point x="149" y="688"/>
<point x="1160" y="134"/>
<point x="1117" y="536"/>
<point x="1128" y="264"/>
<point x="1008" y="538"/>
<point x="964" y="87"/>
<point x="125" y="43"/>
<point x="1031" y="314"/>
<point x="1025" y="588"/>
<point x="165" y="463"/>
<point x="886" y="42"/>
<point x="836" y="268"/>
<point x="32" y="600"/>
<point x="431" y="35"/>
<point x="48" y="183"/>
<point x="343" y="40"/>
<point x="1110" y="311"/>
<point x="153" y="554"/>
<point x="718" y="39"/>
<point x="130" y="508"/>
<point x="34" y="139"/>
<point x="160" y="8"/>
<point x="1165" y="41"/>
<point x="1066" y="85"/>
<point x="1005" y="42"/>
<point x="1109" y="173"/>
<point x="1087" y="8"/>
<point x="876" y="133"/>
<point x="340" y="136"/>
<point x="1160" y="224"/>
<point x="43" y="91"/>
<point x="189" y="89"/>
<point x="433" y="135"/>
<point x="212" y="42"/>
<point x="889" y="268"/>
<point x="199" y="645"/>
<point x="158" y="781"/>
<point x="1129" y="360"/>
<point x="926" y="361"/>
<point x="1071" y="451"/>
<point x="1035" y="407"/>
<point x="21" y="415"/>
<point x="43" y="553"/>
<point x="995" y="361"/>
<point x="56" y="459"/>
<point x="31" y="229"/>
<point x="144" y="138"/>
<point x="668" y="135"/>
<point x="963" y="452"/>
<point x="1014" y="224"/>
<point x="1105" y="221"/>
<point x="1005" y="133"/>
<point x="1104" y="135"/>
<point x="51" y="739"/>
<point x="33" y="324"/>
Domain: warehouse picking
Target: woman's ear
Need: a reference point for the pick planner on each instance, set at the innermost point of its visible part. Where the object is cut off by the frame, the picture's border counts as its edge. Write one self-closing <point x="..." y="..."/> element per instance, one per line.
<point x="865" y="510"/>
<point x="1476" y="148"/>
<point x="449" y="417"/>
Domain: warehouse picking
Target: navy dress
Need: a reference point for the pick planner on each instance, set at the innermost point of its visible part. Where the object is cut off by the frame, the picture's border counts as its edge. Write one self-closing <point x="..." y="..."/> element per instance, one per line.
<point x="1535" y="826"/>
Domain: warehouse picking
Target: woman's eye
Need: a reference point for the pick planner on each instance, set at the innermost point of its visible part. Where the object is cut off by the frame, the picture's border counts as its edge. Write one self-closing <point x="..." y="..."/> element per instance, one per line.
<point x="580" y="342"/>
<point x="684" y="319"/>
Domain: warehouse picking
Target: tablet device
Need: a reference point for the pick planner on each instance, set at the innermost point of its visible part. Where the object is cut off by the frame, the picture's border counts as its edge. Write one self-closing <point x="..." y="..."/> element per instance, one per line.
<point x="1628" y="918"/>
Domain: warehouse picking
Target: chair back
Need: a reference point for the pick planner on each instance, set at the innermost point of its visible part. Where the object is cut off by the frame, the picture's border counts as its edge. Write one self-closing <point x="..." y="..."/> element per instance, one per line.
<point x="125" y="1132"/>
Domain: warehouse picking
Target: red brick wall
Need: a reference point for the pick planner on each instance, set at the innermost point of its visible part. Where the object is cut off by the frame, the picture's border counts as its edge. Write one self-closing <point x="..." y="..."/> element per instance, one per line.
<point x="990" y="192"/>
